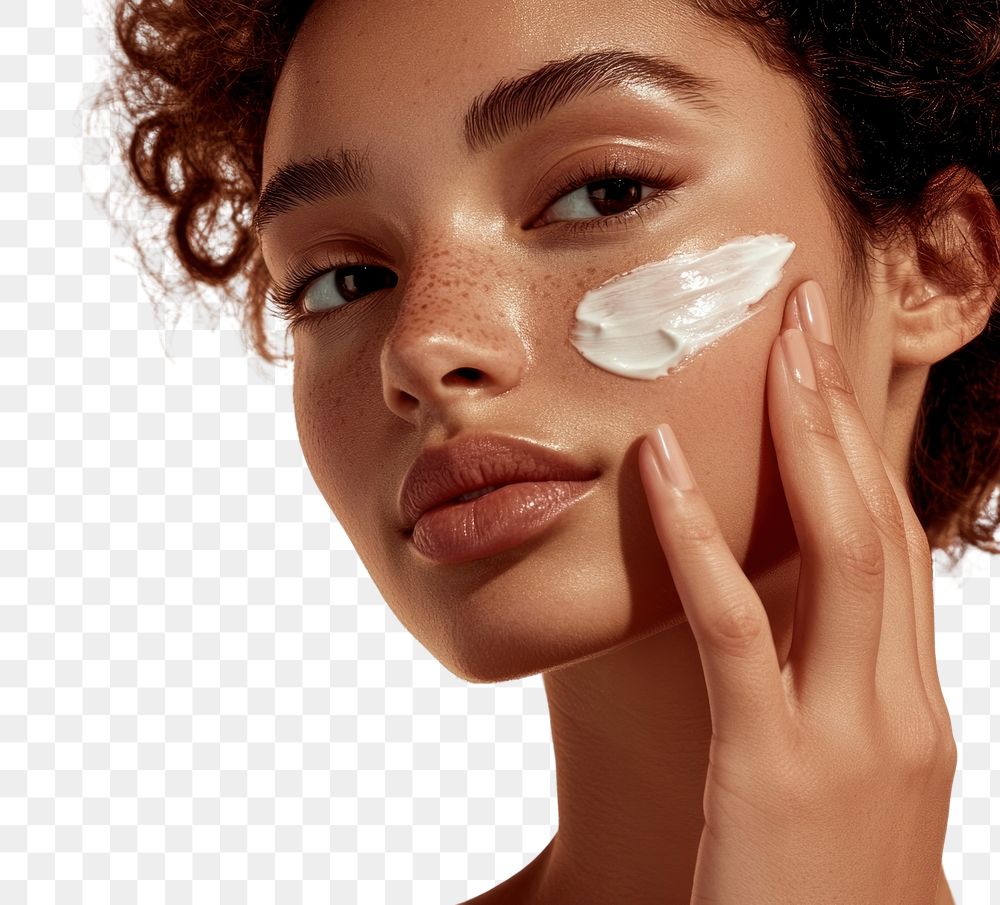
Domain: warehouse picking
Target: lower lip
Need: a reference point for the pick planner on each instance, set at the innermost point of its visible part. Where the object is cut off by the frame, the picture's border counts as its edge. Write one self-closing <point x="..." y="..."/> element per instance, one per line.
<point x="497" y="521"/>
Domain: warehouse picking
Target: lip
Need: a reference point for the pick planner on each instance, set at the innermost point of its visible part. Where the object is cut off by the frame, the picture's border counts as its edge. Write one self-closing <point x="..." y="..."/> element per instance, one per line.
<point x="535" y="484"/>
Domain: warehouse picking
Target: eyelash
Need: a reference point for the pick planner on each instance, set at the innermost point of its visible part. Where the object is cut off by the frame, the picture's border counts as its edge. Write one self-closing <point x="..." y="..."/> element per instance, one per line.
<point x="286" y="297"/>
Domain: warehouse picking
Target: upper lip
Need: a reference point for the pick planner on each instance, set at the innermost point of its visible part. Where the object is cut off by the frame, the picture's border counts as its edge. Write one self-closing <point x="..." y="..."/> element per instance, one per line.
<point x="473" y="461"/>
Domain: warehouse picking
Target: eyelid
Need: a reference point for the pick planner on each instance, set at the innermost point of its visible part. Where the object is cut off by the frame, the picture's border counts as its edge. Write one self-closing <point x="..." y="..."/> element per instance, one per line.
<point x="613" y="166"/>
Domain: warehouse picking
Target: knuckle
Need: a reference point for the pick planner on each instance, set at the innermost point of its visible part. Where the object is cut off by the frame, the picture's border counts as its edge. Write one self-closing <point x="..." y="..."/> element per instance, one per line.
<point x="694" y="528"/>
<point x="737" y="626"/>
<point x="884" y="507"/>
<point x="926" y="755"/>
<point x="949" y="755"/>
<point x="923" y="748"/>
<point x="859" y="557"/>
<point x="945" y="751"/>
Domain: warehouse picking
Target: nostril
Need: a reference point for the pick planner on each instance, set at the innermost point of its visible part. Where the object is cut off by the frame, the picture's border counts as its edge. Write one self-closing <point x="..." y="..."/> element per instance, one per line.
<point x="472" y="374"/>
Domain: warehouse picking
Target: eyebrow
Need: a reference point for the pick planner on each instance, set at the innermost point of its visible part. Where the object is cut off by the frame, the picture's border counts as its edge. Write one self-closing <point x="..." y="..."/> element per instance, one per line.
<point x="512" y="105"/>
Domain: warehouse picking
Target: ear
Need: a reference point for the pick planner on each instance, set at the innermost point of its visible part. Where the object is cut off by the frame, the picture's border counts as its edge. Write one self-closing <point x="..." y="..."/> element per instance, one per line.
<point x="952" y="276"/>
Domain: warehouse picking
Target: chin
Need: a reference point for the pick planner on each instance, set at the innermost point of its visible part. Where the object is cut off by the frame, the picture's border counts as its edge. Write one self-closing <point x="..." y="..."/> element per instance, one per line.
<point x="507" y="617"/>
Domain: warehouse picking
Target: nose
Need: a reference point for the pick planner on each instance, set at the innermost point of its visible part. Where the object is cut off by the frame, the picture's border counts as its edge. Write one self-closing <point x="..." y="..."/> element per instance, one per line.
<point x="454" y="343"/>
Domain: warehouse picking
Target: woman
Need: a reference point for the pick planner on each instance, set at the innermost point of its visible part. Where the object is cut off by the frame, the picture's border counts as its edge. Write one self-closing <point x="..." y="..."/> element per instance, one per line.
<point x="551" y="252"/>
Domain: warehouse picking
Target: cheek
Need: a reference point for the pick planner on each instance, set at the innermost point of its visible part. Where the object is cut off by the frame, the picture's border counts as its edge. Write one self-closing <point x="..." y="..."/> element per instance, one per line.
<point x="686" y="330"/>
<point x="716" y="406"/>
<point x="718" y="409"/>
<point x="336" y="443"/>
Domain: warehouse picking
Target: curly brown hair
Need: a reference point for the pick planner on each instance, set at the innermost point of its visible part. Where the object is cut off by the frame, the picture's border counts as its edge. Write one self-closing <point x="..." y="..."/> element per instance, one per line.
<point x="905" y="102"/>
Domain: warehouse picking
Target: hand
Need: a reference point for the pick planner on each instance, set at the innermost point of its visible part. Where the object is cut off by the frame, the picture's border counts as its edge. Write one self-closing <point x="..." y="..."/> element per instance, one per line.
<point x="830" y="777"/>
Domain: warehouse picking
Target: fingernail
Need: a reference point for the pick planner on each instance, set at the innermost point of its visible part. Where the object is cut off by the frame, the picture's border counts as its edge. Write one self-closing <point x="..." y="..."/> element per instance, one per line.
<point x="796" y="352"/>
<point x="671" y="460"/>
<point x="814" y="315"/>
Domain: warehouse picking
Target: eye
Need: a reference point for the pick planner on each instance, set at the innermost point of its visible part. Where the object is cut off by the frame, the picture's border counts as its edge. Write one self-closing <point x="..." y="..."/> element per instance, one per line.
<point x="341" y="285"/>
<point x="603" y="198"/>
<point x="601" y="194"/>
<point x="310" y="292"/>
<point x="598" y="195"/>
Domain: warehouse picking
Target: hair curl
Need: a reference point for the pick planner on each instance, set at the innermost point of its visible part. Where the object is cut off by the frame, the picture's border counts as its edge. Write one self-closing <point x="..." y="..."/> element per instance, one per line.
<point x="904" y="96"/>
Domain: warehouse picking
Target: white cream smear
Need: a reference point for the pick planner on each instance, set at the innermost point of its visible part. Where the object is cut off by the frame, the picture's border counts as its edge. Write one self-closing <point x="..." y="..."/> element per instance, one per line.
<point x="646" y="321"/>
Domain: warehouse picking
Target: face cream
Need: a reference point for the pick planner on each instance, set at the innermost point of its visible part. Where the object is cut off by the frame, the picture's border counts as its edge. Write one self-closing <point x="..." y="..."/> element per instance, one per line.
<point x="644" y="322"/>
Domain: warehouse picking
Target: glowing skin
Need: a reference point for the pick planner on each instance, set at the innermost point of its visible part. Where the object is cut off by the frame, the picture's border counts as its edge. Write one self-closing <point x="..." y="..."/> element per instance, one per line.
<point x="474" y="337"/>
<point x="646" y="321"/>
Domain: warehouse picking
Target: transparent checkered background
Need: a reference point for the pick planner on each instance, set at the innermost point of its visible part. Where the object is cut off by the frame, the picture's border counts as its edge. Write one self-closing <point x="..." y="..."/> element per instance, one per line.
<point x="203" y="697"/>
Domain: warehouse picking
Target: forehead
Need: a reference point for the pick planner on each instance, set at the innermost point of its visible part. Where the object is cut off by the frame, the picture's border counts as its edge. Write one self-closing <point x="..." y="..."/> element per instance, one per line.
<point x="361" y="72"/>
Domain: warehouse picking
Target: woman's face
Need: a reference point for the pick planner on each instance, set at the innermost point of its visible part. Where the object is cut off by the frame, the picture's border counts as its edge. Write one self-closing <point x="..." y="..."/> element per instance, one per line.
<point x="475" y="334"/>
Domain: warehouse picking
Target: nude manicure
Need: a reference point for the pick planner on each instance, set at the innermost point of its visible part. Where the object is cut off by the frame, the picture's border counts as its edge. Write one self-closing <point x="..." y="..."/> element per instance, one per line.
<point x="668" y="454"/>
<point x="813" y="312"/>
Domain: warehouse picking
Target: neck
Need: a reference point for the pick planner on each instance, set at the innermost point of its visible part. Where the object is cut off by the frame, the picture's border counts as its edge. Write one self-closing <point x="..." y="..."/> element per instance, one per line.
<point x="631" y="731"/>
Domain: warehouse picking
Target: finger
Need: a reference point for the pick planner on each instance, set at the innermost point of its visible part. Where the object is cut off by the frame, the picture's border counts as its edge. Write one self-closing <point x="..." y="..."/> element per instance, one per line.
<point x="922" y="583"/>
<point x="728" y="620"/>
<point x="838" y="607"/>
<point x="898" y="661"/>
